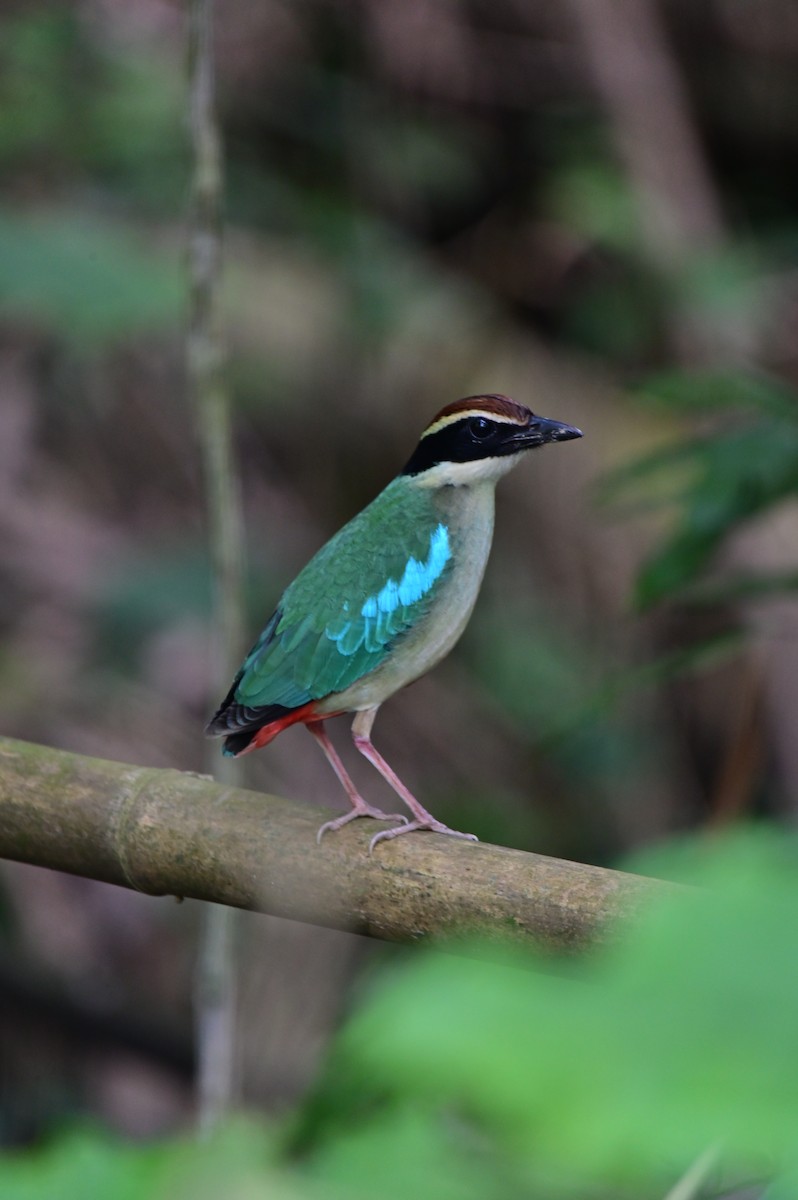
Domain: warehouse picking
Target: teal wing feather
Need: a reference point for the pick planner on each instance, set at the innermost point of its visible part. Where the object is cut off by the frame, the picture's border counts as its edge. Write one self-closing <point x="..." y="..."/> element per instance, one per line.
<point x="337" y="621"/>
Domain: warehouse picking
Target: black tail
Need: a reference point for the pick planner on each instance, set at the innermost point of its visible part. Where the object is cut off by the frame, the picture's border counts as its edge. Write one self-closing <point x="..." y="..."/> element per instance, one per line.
<point x="241" y="722"/>
<point x="236" y="743"/>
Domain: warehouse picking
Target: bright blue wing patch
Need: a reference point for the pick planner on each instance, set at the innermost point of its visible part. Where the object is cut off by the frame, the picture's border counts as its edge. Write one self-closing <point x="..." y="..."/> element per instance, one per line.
<point x="416" y="581"/>
<point x="333" y="626"/>
<point x="374" y="628"/>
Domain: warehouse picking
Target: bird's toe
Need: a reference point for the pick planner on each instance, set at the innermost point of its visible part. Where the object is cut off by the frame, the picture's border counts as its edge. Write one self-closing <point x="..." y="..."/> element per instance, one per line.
<point x="414" y="826"/>
<point x="364" y="810"/>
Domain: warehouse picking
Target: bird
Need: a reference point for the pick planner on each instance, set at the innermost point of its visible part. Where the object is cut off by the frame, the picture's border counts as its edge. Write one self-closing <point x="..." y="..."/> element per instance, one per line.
<point x="385" y="599"/>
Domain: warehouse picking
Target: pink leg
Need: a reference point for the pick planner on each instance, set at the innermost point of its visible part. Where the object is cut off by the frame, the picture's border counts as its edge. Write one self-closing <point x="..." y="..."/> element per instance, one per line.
<point x="359" y="806"/>
<point x="361" y="735"/>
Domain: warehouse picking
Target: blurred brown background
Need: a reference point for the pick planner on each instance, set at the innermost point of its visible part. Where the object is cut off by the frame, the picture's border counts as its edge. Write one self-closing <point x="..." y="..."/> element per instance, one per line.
<point x="424" y="200"/>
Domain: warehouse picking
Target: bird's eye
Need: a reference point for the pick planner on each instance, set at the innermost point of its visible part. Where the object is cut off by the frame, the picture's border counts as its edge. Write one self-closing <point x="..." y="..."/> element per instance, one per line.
<point x="479" y="428"/>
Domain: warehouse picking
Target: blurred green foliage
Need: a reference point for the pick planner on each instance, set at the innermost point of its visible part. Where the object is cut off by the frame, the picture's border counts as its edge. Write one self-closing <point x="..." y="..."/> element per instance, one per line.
<point x="237" y="1163"/>
<point x="461" y="1076"/>
<point x="90" y="281"/>
<point x="566" y="698"/>
<point x="74" y="102"/>
<point x="146" y="595"/>
<point x="85" y="121"/>
<point x="615" y="1075"/>
<point x="743" y="464"/>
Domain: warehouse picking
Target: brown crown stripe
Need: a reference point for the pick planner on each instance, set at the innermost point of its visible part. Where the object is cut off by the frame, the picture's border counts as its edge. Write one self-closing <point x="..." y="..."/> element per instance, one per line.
<point x="497" y="408"/>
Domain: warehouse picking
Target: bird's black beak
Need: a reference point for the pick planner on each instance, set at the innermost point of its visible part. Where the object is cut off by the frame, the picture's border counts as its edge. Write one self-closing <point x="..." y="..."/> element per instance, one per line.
<point x="541" y="430"/>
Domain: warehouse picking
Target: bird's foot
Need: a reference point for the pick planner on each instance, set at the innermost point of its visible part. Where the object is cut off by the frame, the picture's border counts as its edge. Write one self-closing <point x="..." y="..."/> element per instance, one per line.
<point x="411" y="826"/>
<point x="359" y="810"/>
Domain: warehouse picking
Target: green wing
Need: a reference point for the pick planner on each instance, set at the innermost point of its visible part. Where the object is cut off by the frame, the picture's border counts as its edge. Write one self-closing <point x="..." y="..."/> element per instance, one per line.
<point x="335" y="623"/>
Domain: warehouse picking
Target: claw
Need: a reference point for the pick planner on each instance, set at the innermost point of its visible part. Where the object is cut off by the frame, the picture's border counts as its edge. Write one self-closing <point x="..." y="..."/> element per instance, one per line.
<point x="360" y="810"/>
<point x="411" y="826"/>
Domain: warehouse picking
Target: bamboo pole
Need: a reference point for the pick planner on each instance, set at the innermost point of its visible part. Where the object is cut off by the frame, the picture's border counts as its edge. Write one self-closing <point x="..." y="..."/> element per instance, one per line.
<point x="166" y="832"/>
<point x="215" y="977"/>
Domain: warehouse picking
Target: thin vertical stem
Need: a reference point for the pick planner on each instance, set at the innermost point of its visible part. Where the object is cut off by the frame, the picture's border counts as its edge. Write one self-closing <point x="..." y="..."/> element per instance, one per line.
<point x="215" y="986"/>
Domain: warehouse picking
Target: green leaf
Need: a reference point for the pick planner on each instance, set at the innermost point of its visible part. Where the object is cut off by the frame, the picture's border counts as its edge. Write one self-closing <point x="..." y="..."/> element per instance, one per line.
<point x="617" y="1074"/>
<point x="740" y="473"/>
<point x="718" y="479"/>
<point x="81" y="1163"/>
<point x="739" y="586"/>
<point x="238" y="1162"/>
<point x="706" y="391"/>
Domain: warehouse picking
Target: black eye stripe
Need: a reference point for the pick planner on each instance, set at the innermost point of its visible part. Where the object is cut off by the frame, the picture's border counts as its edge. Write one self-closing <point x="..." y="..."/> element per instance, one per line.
<point x="466" y="440"/>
